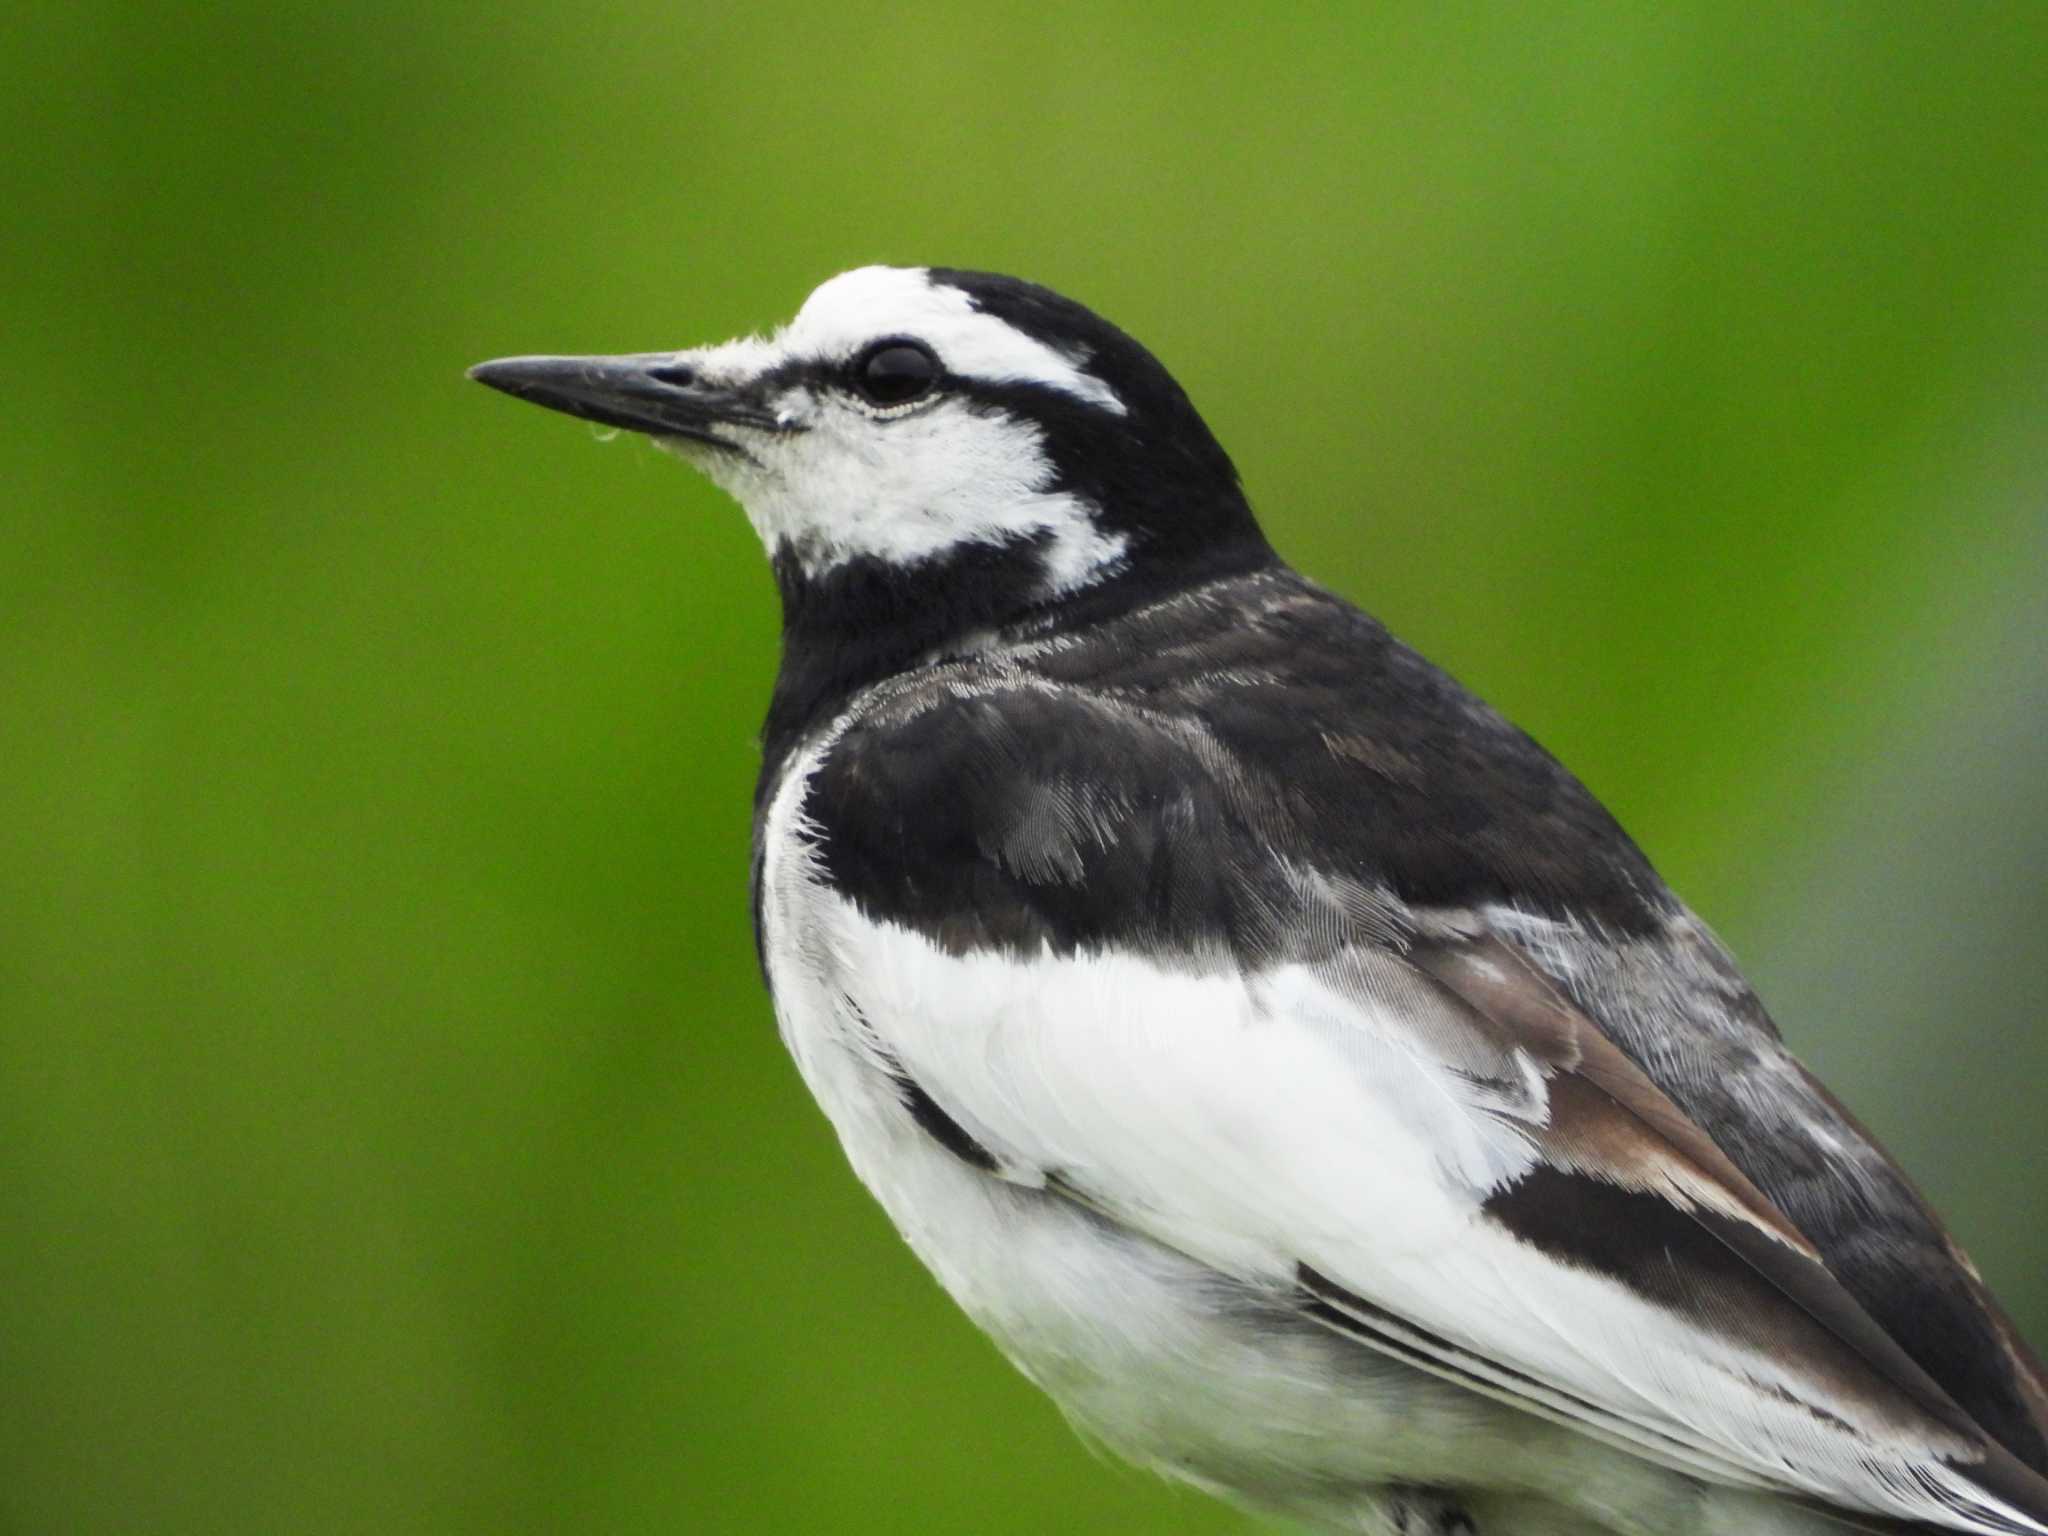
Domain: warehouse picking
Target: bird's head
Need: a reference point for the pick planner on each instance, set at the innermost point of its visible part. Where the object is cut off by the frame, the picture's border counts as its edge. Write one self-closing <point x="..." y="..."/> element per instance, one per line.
<point x="954" y="430"/>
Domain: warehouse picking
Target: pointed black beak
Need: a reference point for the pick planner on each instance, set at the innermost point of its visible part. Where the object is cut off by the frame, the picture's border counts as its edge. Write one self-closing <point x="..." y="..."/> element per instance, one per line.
<point x="658" y="393"/>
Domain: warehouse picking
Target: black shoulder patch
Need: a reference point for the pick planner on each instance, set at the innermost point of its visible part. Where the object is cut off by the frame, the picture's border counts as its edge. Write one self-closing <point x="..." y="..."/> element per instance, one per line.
<point x="1180" y="779"/>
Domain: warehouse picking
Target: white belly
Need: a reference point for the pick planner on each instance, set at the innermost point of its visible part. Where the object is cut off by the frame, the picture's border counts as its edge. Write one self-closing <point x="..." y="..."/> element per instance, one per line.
<point x="1164" y="1360"/>
<point x="1170" y="1363"/>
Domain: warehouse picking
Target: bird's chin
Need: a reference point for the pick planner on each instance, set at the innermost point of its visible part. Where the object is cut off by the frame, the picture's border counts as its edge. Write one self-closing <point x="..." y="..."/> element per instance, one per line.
<point x="707" y="453"/>
<point x="729" y="466"/>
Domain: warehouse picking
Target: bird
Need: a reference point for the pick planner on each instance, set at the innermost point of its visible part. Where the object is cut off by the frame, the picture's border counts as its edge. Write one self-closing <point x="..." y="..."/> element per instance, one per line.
<point x="1296" y="1071"/>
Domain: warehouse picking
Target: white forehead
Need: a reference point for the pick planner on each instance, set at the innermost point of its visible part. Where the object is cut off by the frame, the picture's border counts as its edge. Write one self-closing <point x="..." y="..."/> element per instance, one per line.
<point x="869" y="304"/>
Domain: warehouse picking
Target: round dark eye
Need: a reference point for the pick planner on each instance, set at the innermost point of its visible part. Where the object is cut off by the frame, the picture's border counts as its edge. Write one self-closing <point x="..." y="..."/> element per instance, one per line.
<point x="895" y="372"/>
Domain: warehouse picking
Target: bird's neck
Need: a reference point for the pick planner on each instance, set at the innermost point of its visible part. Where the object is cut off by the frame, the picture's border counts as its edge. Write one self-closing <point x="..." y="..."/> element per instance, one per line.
<point x="865" y="619"/>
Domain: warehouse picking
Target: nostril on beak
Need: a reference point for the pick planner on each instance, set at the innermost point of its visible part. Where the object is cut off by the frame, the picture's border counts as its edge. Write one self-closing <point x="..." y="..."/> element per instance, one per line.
<point x="682" y="375"/>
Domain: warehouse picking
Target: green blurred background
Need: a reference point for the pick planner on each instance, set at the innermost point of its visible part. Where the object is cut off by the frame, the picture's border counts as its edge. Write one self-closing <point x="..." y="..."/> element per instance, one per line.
<point x="393" y="1135"/>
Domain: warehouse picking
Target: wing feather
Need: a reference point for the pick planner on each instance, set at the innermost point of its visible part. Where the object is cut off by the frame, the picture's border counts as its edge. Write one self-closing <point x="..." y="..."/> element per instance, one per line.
<point x="1445" y="1185"/>
<point x="1129" y="966"/>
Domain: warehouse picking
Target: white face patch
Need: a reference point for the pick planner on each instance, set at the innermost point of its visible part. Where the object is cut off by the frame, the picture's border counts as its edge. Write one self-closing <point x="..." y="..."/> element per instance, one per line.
<point x="906" y="483"/>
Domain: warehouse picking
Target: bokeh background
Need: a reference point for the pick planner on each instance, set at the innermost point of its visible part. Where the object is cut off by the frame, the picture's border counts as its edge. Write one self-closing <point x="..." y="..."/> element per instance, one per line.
<point x="393" y="1135"/>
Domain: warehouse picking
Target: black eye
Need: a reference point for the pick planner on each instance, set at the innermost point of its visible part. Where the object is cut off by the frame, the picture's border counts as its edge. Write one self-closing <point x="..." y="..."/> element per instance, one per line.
<point x="895" y="372"/>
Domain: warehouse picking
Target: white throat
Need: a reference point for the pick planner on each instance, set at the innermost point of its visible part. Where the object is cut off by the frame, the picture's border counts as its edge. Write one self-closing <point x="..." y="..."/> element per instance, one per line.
<point x="952" y="480"/>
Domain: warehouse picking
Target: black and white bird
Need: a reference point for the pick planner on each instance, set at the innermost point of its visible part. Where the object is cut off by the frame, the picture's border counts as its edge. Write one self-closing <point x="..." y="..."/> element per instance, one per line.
<point x="1294" y="1069"/>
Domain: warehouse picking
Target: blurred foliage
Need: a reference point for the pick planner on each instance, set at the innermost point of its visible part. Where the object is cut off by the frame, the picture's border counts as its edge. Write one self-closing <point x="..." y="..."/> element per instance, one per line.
<point x="394" y="1134"/>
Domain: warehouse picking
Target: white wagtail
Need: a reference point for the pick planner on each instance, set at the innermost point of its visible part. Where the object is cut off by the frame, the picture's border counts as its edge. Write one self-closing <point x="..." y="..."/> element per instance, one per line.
<point x="1294" y="1069"/>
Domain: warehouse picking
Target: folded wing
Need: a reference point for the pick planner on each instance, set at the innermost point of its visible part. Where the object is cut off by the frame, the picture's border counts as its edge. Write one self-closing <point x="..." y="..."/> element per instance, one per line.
<point x="1455" y="1167"/>
<point x="1119" y="963"/>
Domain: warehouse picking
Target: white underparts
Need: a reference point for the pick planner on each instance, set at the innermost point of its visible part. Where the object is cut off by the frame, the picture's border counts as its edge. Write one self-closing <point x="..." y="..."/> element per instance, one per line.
<point x="1233" y="1125"/>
